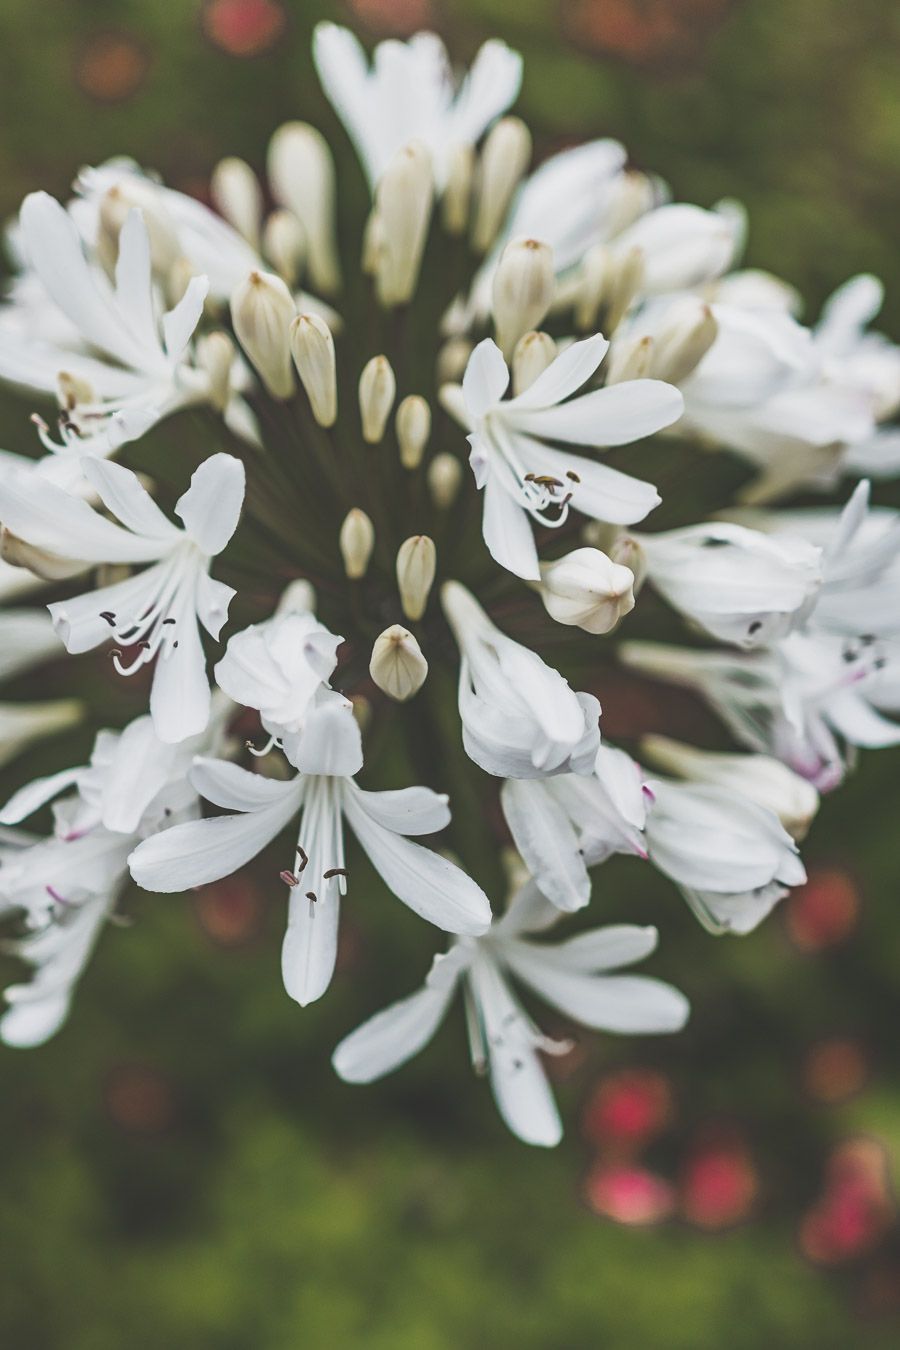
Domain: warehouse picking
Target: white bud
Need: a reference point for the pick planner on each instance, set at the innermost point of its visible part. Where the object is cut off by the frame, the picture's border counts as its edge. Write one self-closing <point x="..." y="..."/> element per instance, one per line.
<point x="586" y="589"/>
<point x="453" y="359"/>
<point x="633" y="195"/>
<point x="237" y="196"/>
<point x="356" y="541"/>
<point x="262" y="308"/>
<point x="215" y="356"/>
<point x="413" y="426"/>
<point x="397" y="665"/>
<point x="377" y="389"/>
<point x="403" y="199"/>
<point x="115" y="206"/>
<point x="630" y="359"/>
<point x="684" y="337"/>
<point x="177" y="280"/>
<point x="504" y="159"/>
<point x="625" y="282"/>
<point x="522" y="291"/>
<point x="298" y="597"/>
<point x="301" y="173"/>
<point x="763" y="780"/>
<point x="372" y="244"/>
<point x="444" y="476"/>
<point x="533" y="353"/>
<point x="312" y="347"/>
<point x="44" y="564"/>
<point x="416" y="562"/>
<point x="284" y="244"/>
<point x="457" y="196"/>
<point x="593" y="278"/>
<point x="627" y="551"/>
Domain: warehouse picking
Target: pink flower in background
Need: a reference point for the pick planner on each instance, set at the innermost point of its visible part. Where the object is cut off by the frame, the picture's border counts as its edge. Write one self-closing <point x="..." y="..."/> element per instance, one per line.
<point x="857" y="1206"/>
<point x="824" y="912"/>
<point x="719" y="1183"/>
<point x="627" y="1109"/>
<point x="244" y="27"/>
<point x="629" y="1194"/>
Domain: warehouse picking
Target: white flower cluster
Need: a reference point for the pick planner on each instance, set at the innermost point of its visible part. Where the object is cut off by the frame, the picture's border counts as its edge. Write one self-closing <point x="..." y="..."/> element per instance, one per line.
<point x="555" y="316"/>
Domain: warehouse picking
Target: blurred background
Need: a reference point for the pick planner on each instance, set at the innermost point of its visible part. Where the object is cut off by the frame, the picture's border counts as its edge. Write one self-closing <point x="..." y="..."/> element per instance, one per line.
<point x="179" y="1166"/>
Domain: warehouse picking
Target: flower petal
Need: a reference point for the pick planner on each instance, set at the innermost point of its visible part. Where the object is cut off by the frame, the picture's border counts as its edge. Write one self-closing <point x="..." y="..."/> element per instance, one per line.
<point x="486" y="378"/>
<point x="616" y="415"/>
<point x="212" y="504"/>
<point x="392" y="1036"/>
<point x="543" y="834"/>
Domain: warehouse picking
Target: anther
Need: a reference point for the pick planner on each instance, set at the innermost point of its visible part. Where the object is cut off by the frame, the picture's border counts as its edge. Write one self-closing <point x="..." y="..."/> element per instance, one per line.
<point x="289" y="879"/>
<point x="334" y="872"/>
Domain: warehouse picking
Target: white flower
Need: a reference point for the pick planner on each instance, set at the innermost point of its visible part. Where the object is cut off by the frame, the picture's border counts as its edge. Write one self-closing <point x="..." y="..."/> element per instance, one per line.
<point x="128" y="366"/>
<point x="67" y="885"/>
<point x="157" y="610"/>
<point x="279" y="667"/>
<point x="578" y="977"/>
<point x="520" y="718"/>
<point x="853" y="356"/>
<point x="431" y="110"/>
<point x="740" y="585"/>
<point x="587" y="590"/>
<point x="731" y="858"/>
<point x="522" y="476"/>
<point x="325" y="795"/>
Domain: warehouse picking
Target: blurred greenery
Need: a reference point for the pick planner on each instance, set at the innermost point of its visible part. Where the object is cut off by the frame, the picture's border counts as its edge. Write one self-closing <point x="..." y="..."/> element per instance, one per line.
<point x="180" y="1167"/>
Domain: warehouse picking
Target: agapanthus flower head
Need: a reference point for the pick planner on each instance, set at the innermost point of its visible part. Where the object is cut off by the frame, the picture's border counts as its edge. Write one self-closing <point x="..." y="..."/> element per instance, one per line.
<point x="542" y="323"/>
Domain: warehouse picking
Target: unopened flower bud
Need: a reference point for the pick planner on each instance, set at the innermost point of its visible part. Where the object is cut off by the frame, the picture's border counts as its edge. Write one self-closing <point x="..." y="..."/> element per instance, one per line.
<point x="301" y="173"/>
<point x="627" y="552"/>
<point x="49" y="566"/>
<point x="416" y="562"/>
<point x="372" y="244"/>
<point x="504" y="159"/>
<point x="262" y="308"/>
<point x="312" y="347"/>
<point x="633" y="195"/>
<point x="457" y="196"/>
<point x="625" y="282"/>
<point x="356" y="540"/>
<point x="403" y="199"/>
<point x="284" y="244"/>
<point x="298" y="597"/>
<point x="586" y="589"/>
<point x="523" y="290"/>
<point x="397" y="665"/>
<point x="377" y="389"/>
<point x="413" y="426"/>
<point x="444" y="477"/>
<point x="177" y="280"/>
<point x="765" y="781"/>
<point x="533" y="354"/>
<point x="453" y="359"/>
<point x="685" y="336"/>
<point x="593" y="279"/>
<point x="236" y="194"/>
<point x="115" y="206"/>
<point x="215" y="356"/>
<point x="630" y="359"/>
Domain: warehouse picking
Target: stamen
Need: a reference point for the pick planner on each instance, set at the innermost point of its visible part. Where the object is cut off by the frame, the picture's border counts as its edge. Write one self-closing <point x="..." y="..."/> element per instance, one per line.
<point x="289" y="879"/>
<point x="303" y="857"/>
<point x="334" y="872"/>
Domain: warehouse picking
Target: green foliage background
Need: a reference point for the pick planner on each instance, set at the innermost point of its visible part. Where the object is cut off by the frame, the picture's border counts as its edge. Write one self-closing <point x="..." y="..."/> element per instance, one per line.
<point x="277" y="1208"/>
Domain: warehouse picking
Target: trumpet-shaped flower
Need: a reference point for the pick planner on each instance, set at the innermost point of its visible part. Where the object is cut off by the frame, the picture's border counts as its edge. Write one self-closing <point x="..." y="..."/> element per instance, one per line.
<point x="524" y="478"/>
<point x="156" y="611"/>
<point x="520" y="718"/>
<point x="325" y="795"/>
<point x="578" y="977"/>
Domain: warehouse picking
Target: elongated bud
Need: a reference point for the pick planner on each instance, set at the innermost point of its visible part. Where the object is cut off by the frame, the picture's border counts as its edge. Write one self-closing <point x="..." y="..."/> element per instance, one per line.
<point x="523" y="290"/>
<point x="356" y="540"/>
<point x="377" y="389"/>
<point x="630" y="360"/>
<point x="634" y="194"/>
<point x="627" y="551"/>
<point x="413" y="426"/>
<point x="765" y="781"/>
<point x="215" y="355"/>
<point x="684" y="338"/>
<point x="403" y="201"/>
<point x="457" y="197"/>
<point x="284" y="244"/>
<point x="301" y="173"/>
<point x="444" y="477"/>
<point x="262" y="308"/>
<point x="592" y="286"/>
<point x="504" y="159"/>
<point x="372" y="244"/>
<point x="416" y="562"/>
<point x="312" y="347"/>
<point x="533" y="354"/>
<point x="49" y="566"/>
<point x="453" y="359"/>
<point x="625" y="282"/>
<point x="298" y="597"/>
<point x="397" y="665"/>
<point x="237" y="196"/>
<point x="114" y="208"/>
<point x="177" y="280"/>
<point x="586" y="589"/>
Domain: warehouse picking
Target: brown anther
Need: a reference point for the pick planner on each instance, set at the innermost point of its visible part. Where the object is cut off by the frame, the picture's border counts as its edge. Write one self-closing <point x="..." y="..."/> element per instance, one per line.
<point x="108" y="615"/>
<point x="303" y="858"/>
<point x="311" y="895"/>
<point x="334" y="872"/>
<point x="529" y="478"/>
<point x="571" y="474"/>
<point x="288" y="878"/>
<point x="165" y="621"/>
<point x="547" y="480"/>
